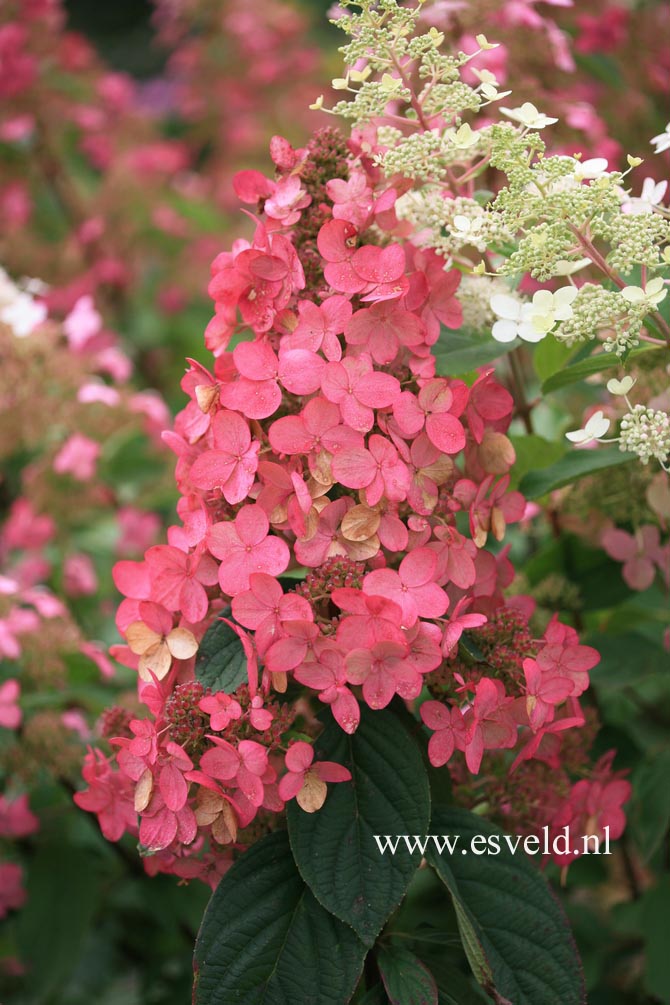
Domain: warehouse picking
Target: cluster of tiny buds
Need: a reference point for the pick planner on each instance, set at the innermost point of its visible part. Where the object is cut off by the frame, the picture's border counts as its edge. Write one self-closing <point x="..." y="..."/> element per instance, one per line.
<point x="336" y="572"/>
<point x="499" y="648"/>
<point x="187" y="723"/>
<point x="115" y="721"/>
<point x="646" y="432"/>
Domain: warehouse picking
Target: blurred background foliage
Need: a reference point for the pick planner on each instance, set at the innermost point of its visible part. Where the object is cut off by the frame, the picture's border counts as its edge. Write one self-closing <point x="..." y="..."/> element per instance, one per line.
<point x="94" y="926"/>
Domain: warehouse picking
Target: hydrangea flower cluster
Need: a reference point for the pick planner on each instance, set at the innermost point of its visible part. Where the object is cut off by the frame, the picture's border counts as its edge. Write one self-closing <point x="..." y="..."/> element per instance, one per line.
<point x="322" y="444"/>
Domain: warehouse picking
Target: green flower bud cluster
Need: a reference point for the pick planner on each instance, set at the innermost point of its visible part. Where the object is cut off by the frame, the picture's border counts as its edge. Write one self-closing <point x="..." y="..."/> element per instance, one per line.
<point x="597" y="311"/>
<point x="634" y="240"/>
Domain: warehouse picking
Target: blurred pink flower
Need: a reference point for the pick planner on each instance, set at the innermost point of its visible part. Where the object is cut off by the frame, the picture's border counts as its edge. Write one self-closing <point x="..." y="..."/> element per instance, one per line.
<point x="77" y="457"/>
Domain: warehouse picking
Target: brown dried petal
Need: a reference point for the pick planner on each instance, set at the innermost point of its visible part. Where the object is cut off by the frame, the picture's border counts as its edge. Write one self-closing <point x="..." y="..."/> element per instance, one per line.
<point x="496" y="453"/>
<point x="360" y="523"/>
<point x="313" y="793"/>
<point x="144" y="790"/>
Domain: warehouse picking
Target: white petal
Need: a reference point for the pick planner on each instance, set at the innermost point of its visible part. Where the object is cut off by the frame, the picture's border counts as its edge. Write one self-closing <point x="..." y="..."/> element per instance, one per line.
<point x="597" y="425"/>
<point x="506" y="307"/>
<point x="543" y="300"/>
<point x="529" y="333"/>
<point x="577" y="436"/>
<point x="622" y="386"/>
<point x="565" y="295"/>
<point x="565" y="268"/>
<point x="592" y="167"/>
<point x="633" y="294"/>
<point x="504" y="331"/>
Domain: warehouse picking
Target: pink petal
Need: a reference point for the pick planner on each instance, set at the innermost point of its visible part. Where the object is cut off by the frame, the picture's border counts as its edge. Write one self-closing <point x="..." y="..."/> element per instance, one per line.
<point x="251" y="525"/>
<point x="173" y="787"/>
<point x="272" y="556"/>
<point x="221" y="539"/>
<point x="440" y="747"/>
<point x="301" y="371"/>
<point x="212" y="469"/>
<point x="158" y="831"/>
<point x="254" y="756"/>
<point x="221" y="762"/>
<point x="618" y="544"/>
<point x="288" y="435"/>
<point x="193" y="601"/>
<point x="328" y="771"/>
<point x="299" y="756"/>
<point x="290" y="785"/>
<point x="346" y="711"/>
<point x="354" y="468"/>
<point x="377" y="390"/>
<point x="418" y="567"/>
<point x="446" y="432"/>
<point x="639" y="573"/>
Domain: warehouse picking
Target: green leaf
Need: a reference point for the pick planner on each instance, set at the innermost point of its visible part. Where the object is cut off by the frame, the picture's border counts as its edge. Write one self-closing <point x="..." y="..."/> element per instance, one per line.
<point x="514" y="931"/>
<point x="264" y="938"/>
<point x="221" y="663"/>
<point x="374" y="996"/>
<point x="63" y="893"/>
<point x="550" y="356"/>
<point x="335" y="848"/>
<point x="457" y="353"/>
<point x="649" y="812"/>
<point x="570" y="468"/>
<point x="533" y="452"/>
<point x="457" y="990"/>
<point x="407" y="980"/>
<point x="655" y="927"/>
<point x="627" y="660"/>
<point x="587" y="367"/>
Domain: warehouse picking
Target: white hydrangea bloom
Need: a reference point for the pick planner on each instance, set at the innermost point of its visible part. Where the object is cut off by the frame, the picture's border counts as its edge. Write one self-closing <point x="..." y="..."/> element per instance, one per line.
<point x="653" y="293"/>
<point x="531" y="322"/>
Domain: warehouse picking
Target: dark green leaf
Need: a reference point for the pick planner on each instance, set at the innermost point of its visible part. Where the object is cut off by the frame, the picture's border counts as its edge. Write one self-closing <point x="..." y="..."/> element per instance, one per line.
<point x="264" y="938"/>
<point x="655" y="926"/>
<point x="514" y="931"/>
<point x="454" y="987"/>
<point x="406" y="979"/>
<point x="456" y="353"/>
<point x="570" y="468"/>
<point x="626" y="659"/>
<point x="373" y="996"/>
<point x="587" y="367"/>
<point x="221" y="664"/>
<point x="649" y="812"/>
<point x="63" y="892"/>
<point x="335" y="848"/>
